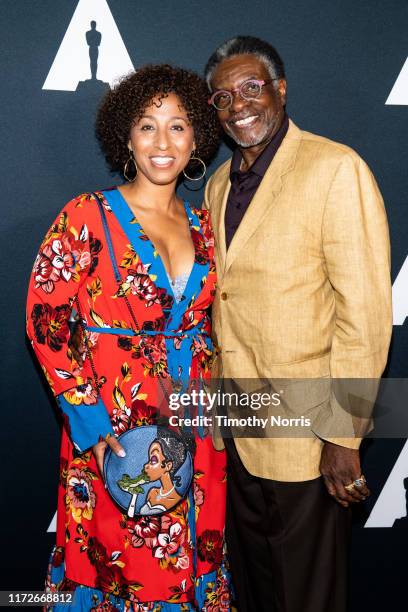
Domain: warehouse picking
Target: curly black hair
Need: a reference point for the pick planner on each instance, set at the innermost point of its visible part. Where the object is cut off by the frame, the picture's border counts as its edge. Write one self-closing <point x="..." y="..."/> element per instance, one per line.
<point x="126" y="103"/>
<point x="173" y="449"/>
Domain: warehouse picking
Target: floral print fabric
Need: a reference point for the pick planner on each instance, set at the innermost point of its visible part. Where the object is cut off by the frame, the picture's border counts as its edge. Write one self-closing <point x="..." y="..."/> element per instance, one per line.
<point x="114" y="562"/>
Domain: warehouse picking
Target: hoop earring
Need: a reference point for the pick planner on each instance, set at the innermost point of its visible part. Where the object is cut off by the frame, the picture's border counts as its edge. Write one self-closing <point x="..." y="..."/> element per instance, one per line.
<point x="126" y="167"/>
<point x="197" y="178"/>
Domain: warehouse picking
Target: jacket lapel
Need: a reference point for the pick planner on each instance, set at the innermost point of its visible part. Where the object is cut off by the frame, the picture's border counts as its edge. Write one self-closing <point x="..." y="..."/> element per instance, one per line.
<point x="263" y="201"/>
<point x="218" y="218"/>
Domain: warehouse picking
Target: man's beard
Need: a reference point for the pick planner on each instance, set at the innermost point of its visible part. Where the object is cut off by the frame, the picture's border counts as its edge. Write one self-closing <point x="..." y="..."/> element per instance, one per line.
<point x="251" y="141"/>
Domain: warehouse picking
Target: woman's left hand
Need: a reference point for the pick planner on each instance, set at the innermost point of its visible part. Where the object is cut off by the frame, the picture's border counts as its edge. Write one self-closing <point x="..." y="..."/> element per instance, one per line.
<point x="99" y="451"/>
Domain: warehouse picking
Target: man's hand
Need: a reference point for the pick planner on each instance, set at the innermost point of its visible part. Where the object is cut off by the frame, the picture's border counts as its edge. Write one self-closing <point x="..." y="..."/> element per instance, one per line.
<point x="340" y="466"/>
<point x="99" y="451"/>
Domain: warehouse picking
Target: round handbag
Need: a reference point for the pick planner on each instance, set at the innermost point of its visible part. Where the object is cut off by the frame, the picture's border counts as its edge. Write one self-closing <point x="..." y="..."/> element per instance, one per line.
<point x="154" y="476"/>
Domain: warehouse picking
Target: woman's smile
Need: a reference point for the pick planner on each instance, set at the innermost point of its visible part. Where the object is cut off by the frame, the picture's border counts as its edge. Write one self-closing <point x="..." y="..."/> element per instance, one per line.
<point x="162" y="161"/>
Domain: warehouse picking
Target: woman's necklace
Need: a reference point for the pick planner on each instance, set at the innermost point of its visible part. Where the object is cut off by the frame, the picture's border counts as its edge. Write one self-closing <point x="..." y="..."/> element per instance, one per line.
<point x="160" y="495"/>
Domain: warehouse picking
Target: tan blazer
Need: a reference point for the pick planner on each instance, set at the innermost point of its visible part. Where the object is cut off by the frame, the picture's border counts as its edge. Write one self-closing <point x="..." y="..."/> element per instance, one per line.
<point x="304" y="290"/>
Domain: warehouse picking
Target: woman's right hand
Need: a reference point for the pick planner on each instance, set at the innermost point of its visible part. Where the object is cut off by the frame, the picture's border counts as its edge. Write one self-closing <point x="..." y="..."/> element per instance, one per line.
<point x="99" y="451"/>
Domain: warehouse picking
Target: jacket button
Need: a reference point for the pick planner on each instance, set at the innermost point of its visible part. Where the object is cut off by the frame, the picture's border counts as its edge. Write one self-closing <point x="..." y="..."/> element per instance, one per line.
<point x="224" y="296"/>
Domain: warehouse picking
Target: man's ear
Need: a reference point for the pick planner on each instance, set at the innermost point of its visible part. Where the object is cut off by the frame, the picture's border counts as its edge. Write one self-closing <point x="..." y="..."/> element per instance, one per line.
<point x="282" y="91"/>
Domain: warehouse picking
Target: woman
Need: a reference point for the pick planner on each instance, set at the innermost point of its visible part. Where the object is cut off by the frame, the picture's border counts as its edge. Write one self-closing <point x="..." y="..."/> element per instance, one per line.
<point x="143" y="301"/>
<point x="166" y="456"/>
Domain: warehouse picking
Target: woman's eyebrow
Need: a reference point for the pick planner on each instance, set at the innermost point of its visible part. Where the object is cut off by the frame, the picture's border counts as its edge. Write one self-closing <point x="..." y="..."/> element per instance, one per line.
<point x="171" y="118"/>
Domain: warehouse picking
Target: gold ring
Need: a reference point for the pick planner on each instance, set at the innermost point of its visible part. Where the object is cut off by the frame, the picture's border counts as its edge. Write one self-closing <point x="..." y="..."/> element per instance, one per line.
<point x="358" y="483"/>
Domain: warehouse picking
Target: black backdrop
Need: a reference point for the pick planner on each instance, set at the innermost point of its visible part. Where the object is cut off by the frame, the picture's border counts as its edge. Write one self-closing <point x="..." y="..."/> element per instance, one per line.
<point x="342" y="57"/>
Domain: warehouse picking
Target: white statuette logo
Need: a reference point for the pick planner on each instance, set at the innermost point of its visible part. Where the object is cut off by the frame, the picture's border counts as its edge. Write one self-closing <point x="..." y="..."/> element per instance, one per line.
<point x="392" y="504"/>
<point x="92" y="51"/>
<point x="400" y="295"/>
<point x="399" y="93"/>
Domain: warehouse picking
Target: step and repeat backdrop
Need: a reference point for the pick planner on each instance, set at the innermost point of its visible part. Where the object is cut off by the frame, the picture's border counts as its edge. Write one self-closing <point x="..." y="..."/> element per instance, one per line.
<point x="347" y="72"/>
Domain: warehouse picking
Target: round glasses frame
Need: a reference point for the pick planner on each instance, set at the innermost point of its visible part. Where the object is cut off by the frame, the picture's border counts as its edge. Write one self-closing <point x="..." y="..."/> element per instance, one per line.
<point x="241" y="90"/>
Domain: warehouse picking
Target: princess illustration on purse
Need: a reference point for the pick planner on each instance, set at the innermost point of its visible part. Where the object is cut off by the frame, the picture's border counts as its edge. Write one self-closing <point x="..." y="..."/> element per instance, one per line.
<point x="167" y="453"/>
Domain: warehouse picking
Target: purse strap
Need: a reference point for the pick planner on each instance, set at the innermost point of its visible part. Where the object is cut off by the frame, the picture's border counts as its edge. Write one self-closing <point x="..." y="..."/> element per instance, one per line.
<point x="185" y="432"/>
<point x="112" y="257"/>
<point x="188" y="439"/>
<point x="118" y="278"/>
<point x="86" y="342"/>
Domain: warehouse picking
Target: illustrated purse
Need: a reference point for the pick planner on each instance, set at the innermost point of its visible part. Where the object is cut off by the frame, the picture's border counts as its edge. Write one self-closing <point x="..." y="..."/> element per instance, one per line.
<point x="157" y="472"/>
<point x="154" y="476"/>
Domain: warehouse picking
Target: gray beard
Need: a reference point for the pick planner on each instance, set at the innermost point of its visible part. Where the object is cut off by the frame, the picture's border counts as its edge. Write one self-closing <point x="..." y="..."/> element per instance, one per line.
<point x="252" y="142"/>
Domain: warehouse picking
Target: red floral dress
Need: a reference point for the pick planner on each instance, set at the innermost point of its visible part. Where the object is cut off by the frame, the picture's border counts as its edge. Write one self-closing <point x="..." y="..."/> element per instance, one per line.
<point x="169" y="562"/>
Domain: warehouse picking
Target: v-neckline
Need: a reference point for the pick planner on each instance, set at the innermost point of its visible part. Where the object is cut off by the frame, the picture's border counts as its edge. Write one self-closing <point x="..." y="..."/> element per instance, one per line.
<point x="131" y="226"/>
<point x="135" y="221"/>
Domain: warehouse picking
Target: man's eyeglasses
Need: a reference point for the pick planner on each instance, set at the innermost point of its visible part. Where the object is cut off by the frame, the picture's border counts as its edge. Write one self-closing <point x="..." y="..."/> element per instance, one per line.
<point x="248" y="90"/>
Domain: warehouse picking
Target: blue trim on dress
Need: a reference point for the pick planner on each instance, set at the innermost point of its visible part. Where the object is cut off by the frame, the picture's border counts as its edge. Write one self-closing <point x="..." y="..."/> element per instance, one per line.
<point x="120" y="331"/>
<point x="87" y="422"/>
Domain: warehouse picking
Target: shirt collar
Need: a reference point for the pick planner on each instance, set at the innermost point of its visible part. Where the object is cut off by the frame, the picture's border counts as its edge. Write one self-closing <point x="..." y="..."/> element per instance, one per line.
<point x="262" y="162"/>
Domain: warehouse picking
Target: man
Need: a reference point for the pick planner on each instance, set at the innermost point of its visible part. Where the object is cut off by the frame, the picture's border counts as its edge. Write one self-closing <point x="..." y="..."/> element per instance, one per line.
<point x="303" y="293"/>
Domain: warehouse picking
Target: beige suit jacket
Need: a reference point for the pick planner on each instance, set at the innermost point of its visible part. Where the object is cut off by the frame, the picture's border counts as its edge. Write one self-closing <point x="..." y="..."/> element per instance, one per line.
<point x="304" y="289"/>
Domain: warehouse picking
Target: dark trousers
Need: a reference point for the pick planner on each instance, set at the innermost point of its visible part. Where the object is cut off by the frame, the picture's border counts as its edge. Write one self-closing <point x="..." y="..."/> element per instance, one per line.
<point x="288" y="543"/>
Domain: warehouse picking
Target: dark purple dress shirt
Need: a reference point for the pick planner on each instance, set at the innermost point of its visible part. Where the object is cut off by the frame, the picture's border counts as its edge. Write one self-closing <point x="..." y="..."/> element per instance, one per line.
<point x="245" y="184"/>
